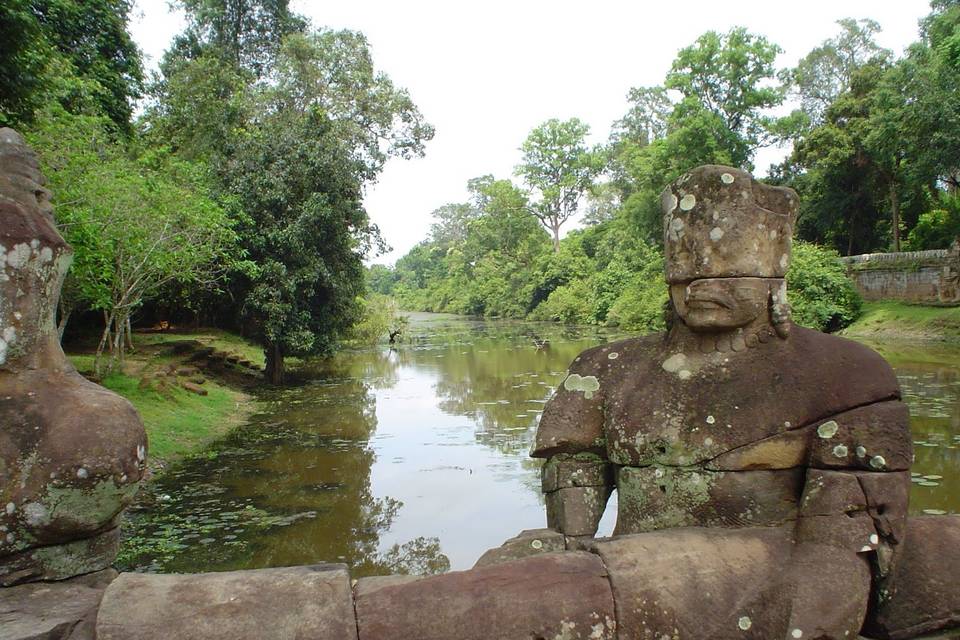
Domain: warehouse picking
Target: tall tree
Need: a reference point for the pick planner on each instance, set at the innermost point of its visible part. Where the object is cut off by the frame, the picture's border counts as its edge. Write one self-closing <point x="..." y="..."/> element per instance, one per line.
<point x="826" y="72"/>
<point x="296" y="122"/>
<point x="559" y="168"/>
<point x="245" y="33"/>
<point x="75" y="52"/>
<point x="730" y="75"/>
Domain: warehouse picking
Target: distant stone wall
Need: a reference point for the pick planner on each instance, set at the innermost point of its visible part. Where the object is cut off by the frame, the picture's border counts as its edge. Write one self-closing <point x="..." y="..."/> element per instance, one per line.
<point x="910" y="276"/>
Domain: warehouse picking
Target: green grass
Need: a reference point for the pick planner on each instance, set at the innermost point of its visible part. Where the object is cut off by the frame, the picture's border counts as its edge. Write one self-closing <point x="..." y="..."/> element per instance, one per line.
<point x="912" y="322"/>
<point x="179" y="422"/>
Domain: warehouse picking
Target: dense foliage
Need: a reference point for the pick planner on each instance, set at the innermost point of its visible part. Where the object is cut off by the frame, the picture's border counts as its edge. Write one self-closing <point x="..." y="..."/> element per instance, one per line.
<point x="238" y="192"/>
<point x="235" y="194"/>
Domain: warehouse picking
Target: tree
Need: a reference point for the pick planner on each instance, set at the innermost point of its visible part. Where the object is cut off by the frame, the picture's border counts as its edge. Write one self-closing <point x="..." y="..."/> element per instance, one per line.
<point x="136" y="224"/>
<point x="75" y="52"/>
<point x="725" y="83"/>
<point x="560" y="168"/>
<point x="826" y="72"/>
<point x="247" y="34"/>
<point x="452" y="224"/>
<point x="730" y="76"/>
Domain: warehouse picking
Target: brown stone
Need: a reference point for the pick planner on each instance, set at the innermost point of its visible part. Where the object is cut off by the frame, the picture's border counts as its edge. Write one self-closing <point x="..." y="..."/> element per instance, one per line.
<point x="562" y="595"/>
<point x="720" y="222"/>
<point x="831" y="592"/>
<point x="71" y="452"/>
<point x="312" y="601"/>
<point x="870" y="438"/>
<point x="366" y="586"/>
<point x="700" y="583"/>
<point x="530" y="542"/>
<point x="193" y="388"/>
<point x="52" y="610"/>
<point x="577" y="511"/>
<point x="652" y="498"/>
<point x="562" y="472"/>
<point x="922" y="595"/>
<point x="61" y="561"/>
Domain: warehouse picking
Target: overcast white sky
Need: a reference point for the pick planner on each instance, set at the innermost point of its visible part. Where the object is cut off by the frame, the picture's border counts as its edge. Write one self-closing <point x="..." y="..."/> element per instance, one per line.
<point x="485" y="73"/>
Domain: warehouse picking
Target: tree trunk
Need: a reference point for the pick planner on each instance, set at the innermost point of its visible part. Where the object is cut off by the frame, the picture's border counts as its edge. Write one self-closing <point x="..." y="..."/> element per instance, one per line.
<point x="65" y="312"/>
<point x="129" y="335"/>
<point x="273" y="372"/>
<point x="556" y="237"/>
<point x="105" y="341"/>
<point x="895" y="214"/>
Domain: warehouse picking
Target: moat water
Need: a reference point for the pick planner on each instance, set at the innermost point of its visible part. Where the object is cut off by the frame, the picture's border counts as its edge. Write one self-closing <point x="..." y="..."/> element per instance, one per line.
<point x="414" y="459"/>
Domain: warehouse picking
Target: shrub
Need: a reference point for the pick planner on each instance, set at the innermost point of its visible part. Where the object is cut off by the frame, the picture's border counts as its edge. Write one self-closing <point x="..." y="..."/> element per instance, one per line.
<point x="820" y="293"/>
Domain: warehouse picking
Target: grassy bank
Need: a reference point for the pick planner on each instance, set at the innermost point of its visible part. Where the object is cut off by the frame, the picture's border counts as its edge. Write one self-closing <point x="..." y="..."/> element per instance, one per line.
<point x="901" y="321"/>
<point x="180" y="422"/>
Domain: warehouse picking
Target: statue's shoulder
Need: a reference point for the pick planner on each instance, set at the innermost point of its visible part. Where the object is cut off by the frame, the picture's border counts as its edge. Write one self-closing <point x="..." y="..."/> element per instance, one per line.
<point x="840" y="361"/>
<point x="611" y="358"/>
<point x="572" y="420"/>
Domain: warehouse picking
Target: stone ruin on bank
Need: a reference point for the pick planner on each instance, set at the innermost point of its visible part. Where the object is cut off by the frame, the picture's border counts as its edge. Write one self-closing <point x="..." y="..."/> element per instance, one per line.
<point x="762" y="471"/>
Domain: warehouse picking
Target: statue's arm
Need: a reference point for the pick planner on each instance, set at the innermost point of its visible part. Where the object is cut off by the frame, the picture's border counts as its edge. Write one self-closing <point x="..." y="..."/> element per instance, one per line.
<point x="852" y="516"/>
<point x="577" y="478"/>
<point x="576" y="487"/>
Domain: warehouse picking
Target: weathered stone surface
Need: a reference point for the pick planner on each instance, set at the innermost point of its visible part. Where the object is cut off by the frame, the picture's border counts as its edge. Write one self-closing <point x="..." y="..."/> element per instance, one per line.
<point x="52" y="610"/>
<point x="720" y="222"/>
<point x="921" y="596"/>
<point x="563" y="595"/>
<point x="71" y="452"/>
<point x="577" y="510"/>
<point x="530" y="542"/>
<point x="870" y="438"/>
<point x="289" y="603"/>
<point x="366" y="586"/>
<point x="727" y="421"/>
<point x="661" y="497"/>
<point x="61" y="561"/>
<point x="585" y="470"/>
<point x="831" y="592"/>
<point x="700" y="583"/>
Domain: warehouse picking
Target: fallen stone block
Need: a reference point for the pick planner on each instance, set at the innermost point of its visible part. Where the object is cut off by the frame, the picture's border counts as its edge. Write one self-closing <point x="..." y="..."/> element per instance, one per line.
<point x="554" y="595"/>
<point x="922" y="595"/>
<point x="312" y="602"/>
<point x="193" y="388"/>
<point x="700" y="583"/>
<point x="52" y="610"/>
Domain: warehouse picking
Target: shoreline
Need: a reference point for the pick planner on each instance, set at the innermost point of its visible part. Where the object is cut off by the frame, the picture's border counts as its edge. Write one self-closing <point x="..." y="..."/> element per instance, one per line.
<point x="185" y="397"/>
<point x="908" y="323"/>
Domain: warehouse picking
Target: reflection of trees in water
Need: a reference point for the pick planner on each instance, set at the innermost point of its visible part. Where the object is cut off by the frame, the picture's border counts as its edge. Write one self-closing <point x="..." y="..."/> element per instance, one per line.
<point x="291" y="487"/>
<point x="501" y="380"/>
<point x="421" y="556"/>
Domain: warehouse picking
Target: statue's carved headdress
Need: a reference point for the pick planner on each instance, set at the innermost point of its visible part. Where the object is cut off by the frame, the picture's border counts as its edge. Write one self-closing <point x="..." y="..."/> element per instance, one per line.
<point x="720" y="222"/>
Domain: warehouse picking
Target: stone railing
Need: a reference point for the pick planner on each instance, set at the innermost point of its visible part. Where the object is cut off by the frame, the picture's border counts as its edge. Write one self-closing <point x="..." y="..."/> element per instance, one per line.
<point x="931" y="277"/>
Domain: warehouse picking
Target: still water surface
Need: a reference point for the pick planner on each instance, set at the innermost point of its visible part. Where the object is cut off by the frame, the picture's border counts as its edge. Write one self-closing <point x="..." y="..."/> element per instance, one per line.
<point x="415" y="459"/>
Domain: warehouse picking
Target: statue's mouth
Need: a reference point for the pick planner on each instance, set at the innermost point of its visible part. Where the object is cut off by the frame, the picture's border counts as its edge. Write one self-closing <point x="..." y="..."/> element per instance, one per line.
<point x="707" y="302"/>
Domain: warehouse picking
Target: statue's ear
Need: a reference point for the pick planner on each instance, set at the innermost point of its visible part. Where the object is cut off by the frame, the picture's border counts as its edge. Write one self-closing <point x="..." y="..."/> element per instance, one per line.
<point x="779" y="309"/>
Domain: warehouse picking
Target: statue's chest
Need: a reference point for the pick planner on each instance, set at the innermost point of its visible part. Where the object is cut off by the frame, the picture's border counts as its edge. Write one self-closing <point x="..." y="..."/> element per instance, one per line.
<point x="689" y="415"/>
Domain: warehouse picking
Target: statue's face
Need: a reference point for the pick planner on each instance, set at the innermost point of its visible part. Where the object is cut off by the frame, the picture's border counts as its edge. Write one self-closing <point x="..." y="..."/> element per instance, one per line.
<point x="720" y="304"/>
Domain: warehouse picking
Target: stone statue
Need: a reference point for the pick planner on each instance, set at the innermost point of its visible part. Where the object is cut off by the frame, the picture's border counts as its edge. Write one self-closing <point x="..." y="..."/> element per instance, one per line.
<point x="735" y="418"/>
<point x="71" y="452"/>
